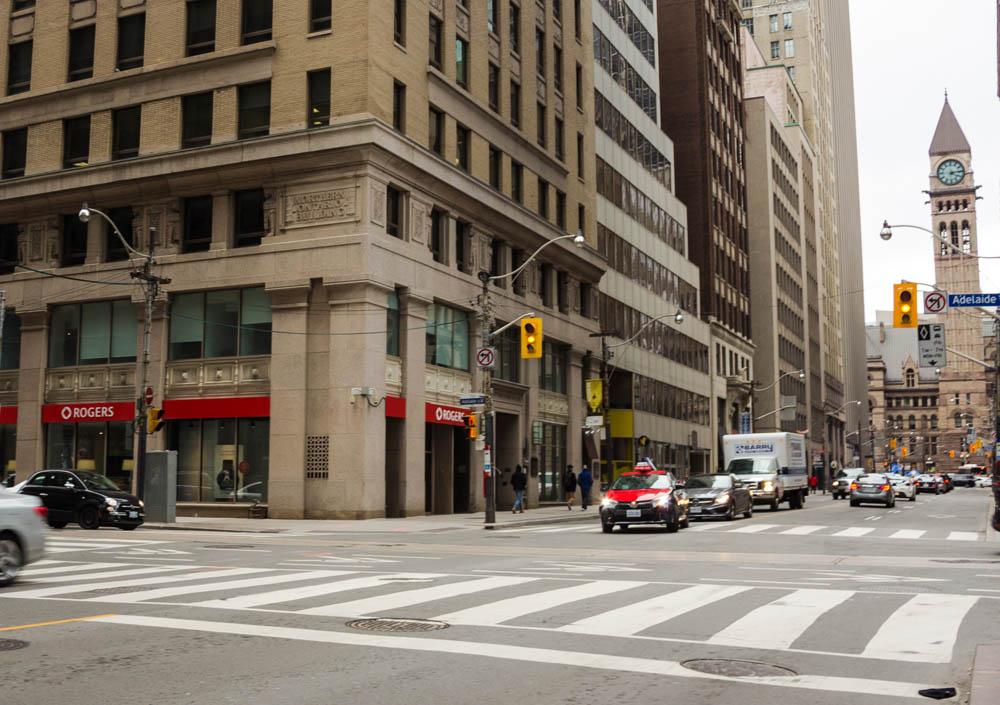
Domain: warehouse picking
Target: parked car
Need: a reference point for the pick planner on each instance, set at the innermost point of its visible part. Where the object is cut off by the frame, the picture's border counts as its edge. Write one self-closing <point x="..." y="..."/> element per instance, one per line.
<point x="718" y="495"/>
<point x="644" y="496"/>
<point x="984" y="481"/>
<point x="929" y="483"/>
<point x="961" y="479"/>
<point x="89" y="499"/>
<point x="22" y="533"/>
<point x="946" y="483"/>
<point x="872" y="488"/>
<point x="841" y="486"/>
<point x="904" y="487"/>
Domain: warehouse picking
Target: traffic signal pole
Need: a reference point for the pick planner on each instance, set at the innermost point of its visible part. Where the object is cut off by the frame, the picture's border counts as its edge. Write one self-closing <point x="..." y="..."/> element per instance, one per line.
<point x="486" y="326"/>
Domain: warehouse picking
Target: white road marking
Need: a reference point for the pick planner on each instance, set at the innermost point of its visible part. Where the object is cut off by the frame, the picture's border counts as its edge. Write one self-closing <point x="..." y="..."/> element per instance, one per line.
<point x="765" y="582"/>
<point x="908" y="534"/>
<point x="778" y="624"/>
<point x="963" y="536"/>
<point x="120" y="573"/>
<point x="922" y="629"/>
<point x="31" y="571"/>
<point x="88" y="587"/>
<point x="705" y="526"/>
<point x="801" y="530"/>
<point x="982" y="590"/>
<point x="408" y="598"/>
<point x="575" y="659"/>
<point x="639" y="616"/>
<point x="214" y="586"/>
<point x="854" y="531"/>
<point x="752" y="528"/>
<point x="511" y="608"/>
<point x="873" y="517"/>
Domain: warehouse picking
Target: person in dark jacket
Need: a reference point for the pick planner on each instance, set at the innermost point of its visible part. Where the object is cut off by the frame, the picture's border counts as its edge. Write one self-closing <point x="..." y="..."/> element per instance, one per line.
<point x="585" y="480"/>
<point x="518" y="483"/>
<point x="569" y="486"/>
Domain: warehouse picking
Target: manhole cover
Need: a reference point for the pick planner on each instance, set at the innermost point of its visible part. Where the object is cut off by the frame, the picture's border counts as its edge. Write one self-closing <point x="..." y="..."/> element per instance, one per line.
<point x="116" y="591"/>
<point x="389" y="624"/>
<point x="12" y="644"/>
<point x="735" y="668"/>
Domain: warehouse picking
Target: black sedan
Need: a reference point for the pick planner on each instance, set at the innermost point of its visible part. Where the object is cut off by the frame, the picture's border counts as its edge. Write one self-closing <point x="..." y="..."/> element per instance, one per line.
<point x="718" y="495"/>
<point x="89" y="499"/>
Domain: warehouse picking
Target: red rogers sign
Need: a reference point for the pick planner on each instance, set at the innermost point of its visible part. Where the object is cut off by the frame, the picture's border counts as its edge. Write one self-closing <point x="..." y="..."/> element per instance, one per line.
<point x="450" y="415"/>
<point x="101" y="411"/>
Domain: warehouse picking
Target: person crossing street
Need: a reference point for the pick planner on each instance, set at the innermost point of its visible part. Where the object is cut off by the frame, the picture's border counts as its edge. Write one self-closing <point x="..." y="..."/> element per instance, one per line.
<point x="585" y="480"/>
<point x="518" y="483"/>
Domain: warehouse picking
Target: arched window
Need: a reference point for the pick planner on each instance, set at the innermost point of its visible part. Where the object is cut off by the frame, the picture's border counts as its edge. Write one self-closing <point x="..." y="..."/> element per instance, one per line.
<point x="965" y="204"/>
<point x="899" y="421"/>
<point x="934" y="421"/>
<point x="954" y="234"/>
<point x="958" y="420"/>
<point x="909" y="378"/>
<point x="912" y="422"/>
<point x="944" y="240"/>
<point x="940" y="206"/>
<point x="923" y="421"/>
<point x="966" y="237"/>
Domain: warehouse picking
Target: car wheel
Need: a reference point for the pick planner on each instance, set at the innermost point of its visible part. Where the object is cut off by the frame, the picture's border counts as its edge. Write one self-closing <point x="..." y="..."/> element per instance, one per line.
<point x="672" y="527"/>
<point x="731" y="514"/>
<point x="89" y="518"/>
<point x="129" y="527"/>
<point x="10" y="561"/>
<point x="748" y="514"/>
<point x="853" y="503"/>
<point x="606" y="527"/>
<point x="913" y="497"/>
<point x="686" y="523"/>
<point x="57" y="524"/>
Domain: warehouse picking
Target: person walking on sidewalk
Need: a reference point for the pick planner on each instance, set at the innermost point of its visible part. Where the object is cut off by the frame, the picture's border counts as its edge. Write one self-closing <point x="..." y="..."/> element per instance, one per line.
<point x="585" y="480"/>
<point x="518" y="483"/>
<point x="813" y="484"/>
<point x="569" y="486"/>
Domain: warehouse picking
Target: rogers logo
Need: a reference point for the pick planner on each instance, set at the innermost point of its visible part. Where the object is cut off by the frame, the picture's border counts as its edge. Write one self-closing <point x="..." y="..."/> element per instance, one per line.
<point x="66" y="412"/>
<point x="452" y="415"/>
<point x="86" y="412"/>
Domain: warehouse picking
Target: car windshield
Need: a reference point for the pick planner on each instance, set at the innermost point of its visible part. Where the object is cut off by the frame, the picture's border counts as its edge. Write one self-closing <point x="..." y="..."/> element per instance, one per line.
<point x="753" y="466"/>
<point x="872" y="479"/>
<point x="93" y="481"/>
<point x="711" y="481"/>
<point x="848" y="473"/>
<point x="642" y="482"/>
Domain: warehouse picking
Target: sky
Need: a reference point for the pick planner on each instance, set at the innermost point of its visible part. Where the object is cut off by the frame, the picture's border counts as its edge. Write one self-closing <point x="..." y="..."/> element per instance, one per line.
<point x="906" y="54"/>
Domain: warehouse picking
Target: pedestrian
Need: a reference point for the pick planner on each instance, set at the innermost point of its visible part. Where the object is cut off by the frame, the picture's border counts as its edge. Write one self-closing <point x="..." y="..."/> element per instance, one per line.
<point x="569" y="486"/>
<point x="585" y="480"/>
<point x="813" y="484"/>
<point x="518" y="482"/>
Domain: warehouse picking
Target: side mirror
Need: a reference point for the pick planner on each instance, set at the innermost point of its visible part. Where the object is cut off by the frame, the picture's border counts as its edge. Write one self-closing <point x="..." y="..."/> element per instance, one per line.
<point x="9" y="482"/>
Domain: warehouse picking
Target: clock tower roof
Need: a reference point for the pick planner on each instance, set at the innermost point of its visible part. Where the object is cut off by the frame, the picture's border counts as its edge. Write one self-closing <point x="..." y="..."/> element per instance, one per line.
<point x="948" y="137"/>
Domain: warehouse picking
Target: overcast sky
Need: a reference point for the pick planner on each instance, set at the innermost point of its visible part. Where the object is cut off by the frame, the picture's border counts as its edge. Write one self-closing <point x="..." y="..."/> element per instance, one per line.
<point x="905" y="55"/>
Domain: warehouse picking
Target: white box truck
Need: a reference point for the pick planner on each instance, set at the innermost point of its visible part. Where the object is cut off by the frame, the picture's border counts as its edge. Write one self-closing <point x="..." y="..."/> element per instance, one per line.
<point x="772" y="465"/>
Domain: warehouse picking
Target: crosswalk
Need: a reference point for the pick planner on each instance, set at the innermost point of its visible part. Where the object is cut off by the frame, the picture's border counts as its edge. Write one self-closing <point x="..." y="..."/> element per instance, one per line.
<point x="911" y="626"/>
<point x="66" y="544"/>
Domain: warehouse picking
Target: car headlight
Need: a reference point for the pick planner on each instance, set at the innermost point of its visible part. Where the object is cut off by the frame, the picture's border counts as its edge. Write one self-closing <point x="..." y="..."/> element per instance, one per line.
<point x="662" y="500"/>
<point x="112" y="502"/>
<point x="142" y="504"/>
<point x="767" y="486"/>
<point x="608" y="503"/>
<point x="683" y="501"/>
<point x="836" y="483"/>
<point x="722" y="499"/>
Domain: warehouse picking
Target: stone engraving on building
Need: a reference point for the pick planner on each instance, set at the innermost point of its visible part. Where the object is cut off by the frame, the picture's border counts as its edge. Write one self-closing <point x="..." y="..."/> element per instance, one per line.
<point x="270" y="201"/>
<point x="22" y="243"/>
<point x="418" y="214"/>
<point x="437" y="6"/>
<point x="316" y="206"/>
<point x="462" y="21"/>
<point x="172" y="236"/>
<point x="494" y="48"/>
<point x="480" y="251"/>
<point x="378" y="204"/>
<point x="53" y="242"/>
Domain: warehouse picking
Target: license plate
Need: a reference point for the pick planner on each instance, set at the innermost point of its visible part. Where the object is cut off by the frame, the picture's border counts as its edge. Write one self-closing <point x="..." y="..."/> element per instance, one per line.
<point x="133" y="515"/>
<point x="694" y="510"/>
<point x="633" y="513"/>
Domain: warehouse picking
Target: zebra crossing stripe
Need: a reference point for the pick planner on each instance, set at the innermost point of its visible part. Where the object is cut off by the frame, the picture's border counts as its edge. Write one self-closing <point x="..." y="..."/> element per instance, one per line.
<point x="103" y="585"/>
<point x="778" y="624"/>
<point x="146" y="595"/>
<point x="120" y="573"/>
<point x="923" y="629"/>
<point x="854" y="531"/>
<point x="31" y="571"/>
<point x="908" y="534"/>
<point x="963" y="536"/>
<point x="752" y="528"/>
<point x="801" y="530"/>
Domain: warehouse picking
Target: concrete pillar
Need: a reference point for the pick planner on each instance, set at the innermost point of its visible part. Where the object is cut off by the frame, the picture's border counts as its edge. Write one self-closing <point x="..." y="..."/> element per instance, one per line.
<point x="158" y="350"/>
<point x="413" y="350"/>
<point x="222" y="218"/>
<point x="577" y="410"/>
<point x="31" y="391"/>
<point x="97" y="228"/>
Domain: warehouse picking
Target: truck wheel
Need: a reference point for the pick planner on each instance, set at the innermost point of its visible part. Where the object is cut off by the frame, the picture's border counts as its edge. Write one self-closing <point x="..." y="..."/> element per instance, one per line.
<point x="796" y="500"/>
<point x="774" y="505"/>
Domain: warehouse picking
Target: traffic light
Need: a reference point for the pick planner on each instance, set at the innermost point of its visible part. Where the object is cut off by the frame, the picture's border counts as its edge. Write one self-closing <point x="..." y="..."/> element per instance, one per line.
<point x="904" y="308"/>
<point x="531" y="338"/>
<point x="892" y="443"/>
<point x="471" y="426"/>
<point x="904" y="451"/>
<point x="154" y="419"/>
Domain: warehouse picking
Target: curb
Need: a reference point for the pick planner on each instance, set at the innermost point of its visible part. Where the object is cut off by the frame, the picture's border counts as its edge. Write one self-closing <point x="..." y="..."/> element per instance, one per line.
<point x="985" y="674"/>
<point x="181" y="527"/>
<point x="543" y="522"/>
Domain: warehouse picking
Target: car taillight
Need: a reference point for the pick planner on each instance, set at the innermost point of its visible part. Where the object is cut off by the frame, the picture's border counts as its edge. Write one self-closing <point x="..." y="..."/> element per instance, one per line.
<point x="42" y="512"/>
<point x="884" y="487"/>
<point x="854" y="485"/>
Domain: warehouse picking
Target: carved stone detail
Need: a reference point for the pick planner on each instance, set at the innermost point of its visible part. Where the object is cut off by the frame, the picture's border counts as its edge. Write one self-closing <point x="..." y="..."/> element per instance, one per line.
<point x="552" y="405"/>
<point x="82" y="10"/>
<point x="418" y="214"/>
<point x="494" y="48"/>
<point x="319" y="206"/>
<point x="270" y="202"/>
<point x="540" y="92"/>
<point x="462" y="20"/>
<point x="172" y="236"/>
<point x="393" y="375"/>
<point x="378" y="204"/>
<point x="437" y="6"/>
<point x="480" y="250"/>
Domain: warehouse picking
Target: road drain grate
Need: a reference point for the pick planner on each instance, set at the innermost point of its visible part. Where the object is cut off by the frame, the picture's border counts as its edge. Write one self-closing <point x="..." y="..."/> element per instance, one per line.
<point x="12" y="644"/>
<point x="390" y="624"/>
<point x="736" y="668"/>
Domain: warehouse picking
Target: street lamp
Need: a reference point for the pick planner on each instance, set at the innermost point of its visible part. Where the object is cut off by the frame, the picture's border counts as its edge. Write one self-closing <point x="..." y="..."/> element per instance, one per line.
<point x="678" y="318"/>
<point x="801" y="374"/>
<point x="886" y="234"/>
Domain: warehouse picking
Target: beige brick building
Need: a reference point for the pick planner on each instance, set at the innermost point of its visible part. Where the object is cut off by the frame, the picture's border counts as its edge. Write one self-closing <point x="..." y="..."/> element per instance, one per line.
<point x="322" y="183"/>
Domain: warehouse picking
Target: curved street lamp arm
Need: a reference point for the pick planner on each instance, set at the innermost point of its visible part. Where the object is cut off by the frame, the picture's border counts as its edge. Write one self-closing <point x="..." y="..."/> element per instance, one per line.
<point x="887" y="233"/>
<point x="800" y="373"/>
<point x="678" y="316"/>
<point x="772" y="413"/>
<point x="577" y="239"/>
<point x="85" y="213"/>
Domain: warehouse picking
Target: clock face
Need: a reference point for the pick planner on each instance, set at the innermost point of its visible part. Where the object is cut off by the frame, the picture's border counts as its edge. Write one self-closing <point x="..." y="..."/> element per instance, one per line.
<point x="950" y="172"/>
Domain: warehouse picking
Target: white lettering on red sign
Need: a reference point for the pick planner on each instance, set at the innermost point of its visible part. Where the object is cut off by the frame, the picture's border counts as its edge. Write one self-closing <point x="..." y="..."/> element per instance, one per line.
<point x="69" y="413"/>
<point x="452" y="415"/>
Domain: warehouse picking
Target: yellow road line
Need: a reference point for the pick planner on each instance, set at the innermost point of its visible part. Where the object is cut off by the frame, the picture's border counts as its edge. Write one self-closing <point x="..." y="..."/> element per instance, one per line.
<point x="60" y="621"/>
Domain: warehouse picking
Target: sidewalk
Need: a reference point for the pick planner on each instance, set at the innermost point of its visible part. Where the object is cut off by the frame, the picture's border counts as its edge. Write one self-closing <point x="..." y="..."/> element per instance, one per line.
<point x="438" y="522"/>
<point x="986" y="675"/>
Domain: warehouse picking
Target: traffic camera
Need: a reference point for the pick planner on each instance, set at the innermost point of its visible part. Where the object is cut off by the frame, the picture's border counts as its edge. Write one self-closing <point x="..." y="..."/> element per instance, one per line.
<point x="154" y="419"/>
<point x="904" y="310"/>
<point x="531" y="338"/>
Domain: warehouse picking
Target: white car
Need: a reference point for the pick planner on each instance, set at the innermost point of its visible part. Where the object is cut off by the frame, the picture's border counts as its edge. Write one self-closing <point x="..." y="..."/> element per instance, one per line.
<point x="984" y="481"/>
<point x="904" y="487"/>
<point x="22" y="533"/>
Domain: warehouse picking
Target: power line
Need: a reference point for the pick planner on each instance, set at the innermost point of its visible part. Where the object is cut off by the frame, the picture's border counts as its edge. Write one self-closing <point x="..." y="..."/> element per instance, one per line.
<point x="297" y="332"/>
<point x="63" y="276"/>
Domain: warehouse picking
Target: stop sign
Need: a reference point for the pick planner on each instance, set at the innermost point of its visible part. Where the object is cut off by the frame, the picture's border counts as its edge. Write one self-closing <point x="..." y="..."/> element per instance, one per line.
<point x="149" y="396"/>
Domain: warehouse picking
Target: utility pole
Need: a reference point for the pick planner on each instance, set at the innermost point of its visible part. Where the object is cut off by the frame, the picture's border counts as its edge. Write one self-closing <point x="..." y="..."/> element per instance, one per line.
<point x="996" y="428"/>
<point x="486" y="326"/>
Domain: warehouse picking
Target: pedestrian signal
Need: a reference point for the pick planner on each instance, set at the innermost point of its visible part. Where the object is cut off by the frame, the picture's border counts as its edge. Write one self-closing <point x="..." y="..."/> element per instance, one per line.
<point x="904" y="311"/>
<point x="471" y="426"/>
<point x="531" y="338"/>
<point x="904" y="451"/>
<point x="154" y="419"/>
<point x="951" y="454"/>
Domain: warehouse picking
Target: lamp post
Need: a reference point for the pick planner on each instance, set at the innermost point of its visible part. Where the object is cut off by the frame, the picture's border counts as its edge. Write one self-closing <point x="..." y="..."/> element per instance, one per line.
<point x="151" y="287"/>
<point x="801" y="374"/>
<point x="486" y="327"/>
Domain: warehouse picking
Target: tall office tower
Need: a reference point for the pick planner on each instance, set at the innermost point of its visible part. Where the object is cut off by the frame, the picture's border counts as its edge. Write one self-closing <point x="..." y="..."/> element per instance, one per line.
<point x="659" y="383"/>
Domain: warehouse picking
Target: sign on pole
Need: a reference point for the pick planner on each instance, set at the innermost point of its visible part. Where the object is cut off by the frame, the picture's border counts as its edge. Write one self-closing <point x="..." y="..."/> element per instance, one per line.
<point x="472" y="399"/>
<point x="931" y="345"/>
<point x="935" y="302"/>
<point x="744" y="422"/>
<point x="955" y="300"/>
<point x="486" y="357"/>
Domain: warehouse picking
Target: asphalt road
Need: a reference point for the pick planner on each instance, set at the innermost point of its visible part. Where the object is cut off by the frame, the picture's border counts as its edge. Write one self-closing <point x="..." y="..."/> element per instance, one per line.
<point x="861" y="605"/>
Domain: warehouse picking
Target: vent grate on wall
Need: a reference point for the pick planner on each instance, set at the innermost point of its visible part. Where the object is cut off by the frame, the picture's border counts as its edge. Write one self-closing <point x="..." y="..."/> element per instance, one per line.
<point x="317" y="457"/>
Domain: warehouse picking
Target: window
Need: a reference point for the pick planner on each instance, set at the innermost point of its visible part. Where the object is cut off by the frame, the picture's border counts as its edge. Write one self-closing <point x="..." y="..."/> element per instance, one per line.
<point x="10" y="358"/>
<point x="319" y="98"/>
<point x="557" y="10"/>
<point x="319" y="15"/>
<point x="557" y="68"/>
<point x="494" y="86"/>
<point x="543" y="198"/>
<point x="256" y="21"/>
<point x="392" y="324"/>
<point x="748" y="23"/>
<point x="74" y="241"/>
<point x="508" y="345"/>
<point x="552" y="371"/>
<point x="773" y="22"/>
<point x="515" y="104"/>
<point x="462" y="138"/>
<point x="439" y="225"/>
<point x="581" y="218"/>
<point x="435" y="121"/>
<point x="561" y="209"/>
<point x="560" y="146"/>
<point x="775" y="50"/>
<point x="22" y="5"/>
<point x="462" y="62"/>
<point x="196" y="110"/>
<point x="577" y="20"/>
<point x="398" y="106"/>
<point x="496" y="261"/>
<point x="493" y="15"/>
<point x="540" y="52"/>
<point x="223" y="323"/>
<point x="122" y="218"/>
<point x="788" y="20"/>
<point x="399" y="22"/>
<point x="435" y="43"/>
<point x="76" y="141"/>
<point x="19" y="68"/>
<point x="81" y="53"/>
<point x="518" y="284"/>
<point x="540" y="113"/>
<point x="131" y="41"/>
<point x="517" y="182"/>
<point x="125" y="126"/>
<point x="579" y="86"/>
<point x="447" y="337"/>
<point x="910" y="378"/>
<point x="254" y="110"/>
<point x="200" y="27"/>
<point x="394" y="212"/>
<point x="461" y="245"/>
<point x="249" y="217"/>
<point x="579" y="155"/>
<point x="562" y="292"/>
<point x="586" y="297"/>
<point x="97" y="333"/>
<point x="791" y="73"/>
<point x="515" y="28"/>
<point x="15" y="152"/>
<point x="197" y="235"/>
<point x="789" y="48"/>
<point x="494" y="167"/>
<point x="545" y="290"/>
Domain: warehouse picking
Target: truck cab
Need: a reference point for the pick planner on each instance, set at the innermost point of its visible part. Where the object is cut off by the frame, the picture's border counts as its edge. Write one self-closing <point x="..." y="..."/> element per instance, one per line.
<point x="772" y="465"/>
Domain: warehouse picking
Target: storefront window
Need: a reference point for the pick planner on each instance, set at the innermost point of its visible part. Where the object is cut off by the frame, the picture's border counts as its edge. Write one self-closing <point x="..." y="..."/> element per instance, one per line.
<point x="101" y="447"/>
<point x="447" y="337"/>
<point x="94" y="333"/>
<point x="183" y="437"/>
<point x="552" y="371"/>
<point x="8" y="450"/>
<point x="553" y="457"/>
<point x="508" y="346"/>
<point x="10" y="354"/>
<point x="220" y="324"/>
<point x="221" y="460"/>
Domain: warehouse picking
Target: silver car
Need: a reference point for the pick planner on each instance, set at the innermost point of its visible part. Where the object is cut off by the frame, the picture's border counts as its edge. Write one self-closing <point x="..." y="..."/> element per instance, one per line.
<point x="873" y="488"/>
<point x="22" y="533"/>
